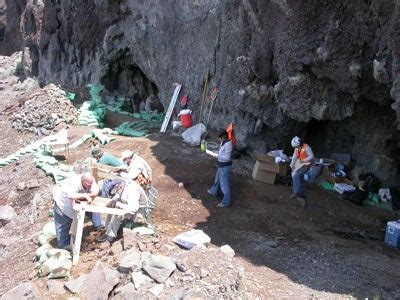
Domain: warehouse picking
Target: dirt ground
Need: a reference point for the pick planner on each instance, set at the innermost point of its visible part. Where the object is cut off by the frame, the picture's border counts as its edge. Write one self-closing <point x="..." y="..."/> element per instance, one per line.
<point x="333" y="249"/>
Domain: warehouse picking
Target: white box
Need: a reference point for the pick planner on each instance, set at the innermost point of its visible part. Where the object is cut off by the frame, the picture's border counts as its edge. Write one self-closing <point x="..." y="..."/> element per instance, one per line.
<point x="343" y="187"/>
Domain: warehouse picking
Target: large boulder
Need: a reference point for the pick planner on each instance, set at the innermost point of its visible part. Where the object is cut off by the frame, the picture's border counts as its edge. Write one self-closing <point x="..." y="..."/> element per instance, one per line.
<point x="130" y="239"/>
<point x="99" y="282"/>
<point x="7" y="213"/>
<point x="129" y="261"/>
<point x="75" y="285"/>
<point x="159" y="267"/>
<point x="26" y="290"/>
<point x="128" y="292"/>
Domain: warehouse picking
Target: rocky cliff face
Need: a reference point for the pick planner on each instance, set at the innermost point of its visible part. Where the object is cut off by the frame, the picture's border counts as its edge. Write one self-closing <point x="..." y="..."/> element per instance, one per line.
<point x="10" y="18"/>
<point x="326" y="70"/>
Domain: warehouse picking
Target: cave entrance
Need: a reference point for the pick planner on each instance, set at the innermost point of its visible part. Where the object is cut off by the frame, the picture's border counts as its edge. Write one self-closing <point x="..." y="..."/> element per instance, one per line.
<point x="327" y="137"/>
<point x="127" y="81"/>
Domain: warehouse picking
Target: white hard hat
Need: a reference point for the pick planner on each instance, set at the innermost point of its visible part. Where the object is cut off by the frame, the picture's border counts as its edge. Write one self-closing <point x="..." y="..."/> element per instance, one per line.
<point x="126" y="154"/>
<point x="295" y="142"/>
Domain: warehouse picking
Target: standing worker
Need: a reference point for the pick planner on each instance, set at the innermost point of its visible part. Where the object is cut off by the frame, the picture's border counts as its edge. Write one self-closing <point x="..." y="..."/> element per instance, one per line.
<point x="302" y="160"/>
<point x="224" y="167"/>
<point x="78" y="187"/>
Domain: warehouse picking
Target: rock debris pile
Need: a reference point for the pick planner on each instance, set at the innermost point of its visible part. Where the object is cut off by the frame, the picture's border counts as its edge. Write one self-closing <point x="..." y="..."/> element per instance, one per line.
<point x="46" y="111"/>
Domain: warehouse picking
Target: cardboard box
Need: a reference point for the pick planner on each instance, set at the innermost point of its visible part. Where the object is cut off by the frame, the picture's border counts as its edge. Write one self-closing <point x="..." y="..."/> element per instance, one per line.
<point x="332" y="179"/>
<point x="267" y="163"/>
<point x="263" y="175"/>
<point x="268" y="159"/>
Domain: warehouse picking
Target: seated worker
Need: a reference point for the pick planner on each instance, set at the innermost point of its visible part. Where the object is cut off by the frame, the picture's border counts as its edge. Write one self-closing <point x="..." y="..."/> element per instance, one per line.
<point x="125" y="194"/>
<point x="78" y="187"/>
<point x="106" y="158"/>
<point x="138" y="169"/>
<point x="302" y="160"/>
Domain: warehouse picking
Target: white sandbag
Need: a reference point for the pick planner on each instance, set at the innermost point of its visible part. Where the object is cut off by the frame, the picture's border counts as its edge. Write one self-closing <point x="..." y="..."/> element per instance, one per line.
<point x="54" y="263"/>
<point x="44" y="239"/>
<point x="58" y="252"/>
<point x="143" y="231"/>
<point x="192" y="238"/>
<point x="42" y="250"/>
<point x="43" y="258"/>
<point x="192" y="135"/>
<point x="49" y="229"/>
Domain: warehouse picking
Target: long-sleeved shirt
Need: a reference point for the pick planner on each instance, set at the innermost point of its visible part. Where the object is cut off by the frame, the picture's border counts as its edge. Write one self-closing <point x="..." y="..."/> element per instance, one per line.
<point x="224" y="155"/>
<point x="130" y="197"/>
<point x="296" y="163"/>
<point x="138" y="165"/>
<point x="62" y="194"/>
<point x="110" y="160"/>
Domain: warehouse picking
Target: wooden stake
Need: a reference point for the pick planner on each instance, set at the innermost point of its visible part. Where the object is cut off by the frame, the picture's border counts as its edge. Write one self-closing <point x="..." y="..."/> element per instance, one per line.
<point x="203" y="98"/>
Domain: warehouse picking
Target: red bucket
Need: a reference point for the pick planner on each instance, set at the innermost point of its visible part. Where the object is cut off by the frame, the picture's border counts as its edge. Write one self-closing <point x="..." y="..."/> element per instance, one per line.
<point x="186" y="120"/>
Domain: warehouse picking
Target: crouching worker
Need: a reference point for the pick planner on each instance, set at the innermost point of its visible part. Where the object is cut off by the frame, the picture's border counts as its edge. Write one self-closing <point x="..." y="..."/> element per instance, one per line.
<point x="125" y="194"/>
<point x="302" y="160"/>
<point x="138" y="168"/>
<point x="77" y="188"/>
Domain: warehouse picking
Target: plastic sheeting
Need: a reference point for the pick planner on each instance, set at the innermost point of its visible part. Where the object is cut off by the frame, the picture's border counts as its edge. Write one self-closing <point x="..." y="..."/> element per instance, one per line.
<point x="192" y="135"/>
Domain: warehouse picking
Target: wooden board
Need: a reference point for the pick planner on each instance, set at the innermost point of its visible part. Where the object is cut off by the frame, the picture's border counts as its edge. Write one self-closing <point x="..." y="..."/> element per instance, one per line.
<point x="171" y="108"/>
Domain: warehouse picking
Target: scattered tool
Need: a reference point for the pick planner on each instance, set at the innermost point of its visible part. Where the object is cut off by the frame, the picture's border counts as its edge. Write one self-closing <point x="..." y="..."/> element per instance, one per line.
<point x="203" y="97"/>
<point x="213" y="96"/>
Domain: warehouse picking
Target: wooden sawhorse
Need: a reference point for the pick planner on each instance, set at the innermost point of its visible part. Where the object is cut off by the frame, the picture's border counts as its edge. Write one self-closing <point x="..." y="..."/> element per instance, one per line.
<point x="97" y="206"/>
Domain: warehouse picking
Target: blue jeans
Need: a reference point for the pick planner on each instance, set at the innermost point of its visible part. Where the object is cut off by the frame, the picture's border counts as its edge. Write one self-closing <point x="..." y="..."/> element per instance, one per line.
<point x="222" y="182"/>
<point x="299" y="187"/>
<point x="63" y="224"/>
<point x="312" y="173"/>
<point x="96" y="219"/>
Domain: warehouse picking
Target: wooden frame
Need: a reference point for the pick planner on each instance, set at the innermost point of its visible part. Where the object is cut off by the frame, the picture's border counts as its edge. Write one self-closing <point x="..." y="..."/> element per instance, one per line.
<point x="98" y="206"/>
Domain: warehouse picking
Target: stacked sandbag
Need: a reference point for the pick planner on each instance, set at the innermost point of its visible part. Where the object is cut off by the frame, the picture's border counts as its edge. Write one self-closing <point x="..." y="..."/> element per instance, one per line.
<point x="137" y="129"/>
<point x="44" y="111"/>
<point x="52" y="262"/>
<point x="92" y="113"/>
<point x="29" y="149"/>
<point x="51" y="167"/>
<point x="89" y="117"/>
<point x="102" y="135"/>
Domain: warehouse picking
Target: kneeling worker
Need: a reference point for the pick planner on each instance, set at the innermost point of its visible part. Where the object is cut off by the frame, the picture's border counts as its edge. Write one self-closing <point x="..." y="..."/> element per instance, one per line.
<point x="78" y="187"/>
<point x="125" y="195"/>
<point x="302" y="160"/>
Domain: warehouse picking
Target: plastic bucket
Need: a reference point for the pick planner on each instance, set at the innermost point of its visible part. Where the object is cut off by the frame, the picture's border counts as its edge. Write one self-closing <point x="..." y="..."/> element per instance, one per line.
<point x="186" y="120"/>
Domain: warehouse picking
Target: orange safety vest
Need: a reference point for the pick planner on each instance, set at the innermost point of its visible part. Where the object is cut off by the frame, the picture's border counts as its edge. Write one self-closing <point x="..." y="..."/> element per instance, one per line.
<point x="301" y="152"/>
<point x="231" y="136"/>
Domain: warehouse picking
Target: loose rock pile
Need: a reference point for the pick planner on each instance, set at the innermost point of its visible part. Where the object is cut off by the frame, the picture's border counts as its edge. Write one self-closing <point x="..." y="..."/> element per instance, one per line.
<point x="127" y="270"/>
<point x="45" y="110"/>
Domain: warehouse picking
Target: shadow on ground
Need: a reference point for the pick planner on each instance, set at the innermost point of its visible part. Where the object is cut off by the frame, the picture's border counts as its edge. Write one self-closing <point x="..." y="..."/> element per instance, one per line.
<point x="333" y="246"/>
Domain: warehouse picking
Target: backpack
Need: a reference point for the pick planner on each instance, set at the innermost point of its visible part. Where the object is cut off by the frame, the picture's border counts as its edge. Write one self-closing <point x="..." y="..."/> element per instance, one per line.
<point x="357" y="197"/>
<point x="371" y="183"/>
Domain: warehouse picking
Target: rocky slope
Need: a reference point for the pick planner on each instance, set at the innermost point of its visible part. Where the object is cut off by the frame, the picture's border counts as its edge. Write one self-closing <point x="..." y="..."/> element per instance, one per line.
<point x="325" y="70"/>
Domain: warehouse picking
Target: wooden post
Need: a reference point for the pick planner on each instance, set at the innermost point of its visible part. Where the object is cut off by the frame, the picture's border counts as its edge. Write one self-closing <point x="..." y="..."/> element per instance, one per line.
<point x="203" y="98"/>
<point x="76" y="246"/>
